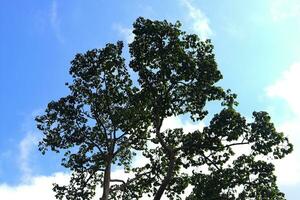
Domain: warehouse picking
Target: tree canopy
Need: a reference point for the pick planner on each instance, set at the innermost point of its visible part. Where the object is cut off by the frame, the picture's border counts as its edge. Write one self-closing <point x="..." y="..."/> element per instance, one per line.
<point x="107" y="120"/>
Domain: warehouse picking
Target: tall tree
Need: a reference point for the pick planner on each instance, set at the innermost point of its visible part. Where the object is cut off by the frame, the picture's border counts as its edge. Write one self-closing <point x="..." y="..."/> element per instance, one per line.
<point x="105" y="120"/>
<point x="177" y="73"/>
<point x="92" y="125"/>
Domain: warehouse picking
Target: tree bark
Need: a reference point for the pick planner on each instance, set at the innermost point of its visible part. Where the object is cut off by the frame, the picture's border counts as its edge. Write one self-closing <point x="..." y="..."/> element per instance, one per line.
<point x="171" y="155"/>
<point x="106" y="184"/>
<point x="167" y="178"/>
<point x="107" y="172"/>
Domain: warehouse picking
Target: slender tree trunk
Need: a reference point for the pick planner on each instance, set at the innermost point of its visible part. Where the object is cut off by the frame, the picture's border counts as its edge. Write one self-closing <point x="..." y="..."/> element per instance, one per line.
<point x="167" y="179"/>
<point x="107" y="172"/>
<point x="106" y="184"/>
<point x="171" y="155"/>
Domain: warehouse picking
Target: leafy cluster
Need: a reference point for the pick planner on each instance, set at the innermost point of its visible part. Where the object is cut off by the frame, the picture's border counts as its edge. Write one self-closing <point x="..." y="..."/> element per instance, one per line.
<point x="106" y="121"/>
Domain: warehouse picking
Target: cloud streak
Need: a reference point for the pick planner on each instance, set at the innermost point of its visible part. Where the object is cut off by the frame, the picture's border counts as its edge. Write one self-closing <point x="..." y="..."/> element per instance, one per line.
<point x="124" y="32"/>
<point x="55" y="22"/>
<point x="26" y="147"/>
<point x="199" y="22"/>
<point x="281" y="10"/>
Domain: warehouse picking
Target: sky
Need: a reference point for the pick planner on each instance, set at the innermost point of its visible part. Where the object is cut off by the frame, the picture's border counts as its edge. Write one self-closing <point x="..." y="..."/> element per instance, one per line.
<point x="256" y="45"/>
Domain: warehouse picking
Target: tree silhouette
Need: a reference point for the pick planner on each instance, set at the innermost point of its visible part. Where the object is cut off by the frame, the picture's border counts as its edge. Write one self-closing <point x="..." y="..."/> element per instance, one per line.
<point x="106" y="120"/>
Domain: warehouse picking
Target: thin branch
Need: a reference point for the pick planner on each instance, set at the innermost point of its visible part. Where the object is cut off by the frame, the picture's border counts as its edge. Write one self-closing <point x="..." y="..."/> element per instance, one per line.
<point x="95" y="144"/>
<point x="121" y="136"/>
<point x="212" y="162"/>
<point x="129" y="181"/>
<point x="234" y="144"/>
<point x="91" y="141"/>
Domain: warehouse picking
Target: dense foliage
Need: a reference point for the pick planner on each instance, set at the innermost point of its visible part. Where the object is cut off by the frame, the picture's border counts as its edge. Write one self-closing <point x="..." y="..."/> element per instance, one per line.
<point x="106" y="120"/>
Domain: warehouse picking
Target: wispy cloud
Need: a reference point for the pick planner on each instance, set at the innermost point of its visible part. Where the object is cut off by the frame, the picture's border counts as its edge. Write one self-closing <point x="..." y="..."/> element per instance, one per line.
<point x="287" y="89"/>
<point x="26" y="146"/>
<point x="124" y="32"/>
<point x="234" y="31"/>
<point x="284" y="9"/>
<point x="55" y="21"/>
<point x="199" y="22"/>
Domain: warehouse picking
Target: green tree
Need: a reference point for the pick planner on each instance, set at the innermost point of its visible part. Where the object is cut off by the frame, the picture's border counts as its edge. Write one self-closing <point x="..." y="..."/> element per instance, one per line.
<point x="93" y="125"/>
<point x="106" y="120"/>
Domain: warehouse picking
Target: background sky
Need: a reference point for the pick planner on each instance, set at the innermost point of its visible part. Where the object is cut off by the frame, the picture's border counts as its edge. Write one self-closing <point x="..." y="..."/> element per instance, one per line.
<point x="256" y="45"/>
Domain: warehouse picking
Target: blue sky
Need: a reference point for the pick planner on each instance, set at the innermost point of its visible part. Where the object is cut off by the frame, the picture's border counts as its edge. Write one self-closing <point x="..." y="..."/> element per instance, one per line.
<point x="256" y="45"/>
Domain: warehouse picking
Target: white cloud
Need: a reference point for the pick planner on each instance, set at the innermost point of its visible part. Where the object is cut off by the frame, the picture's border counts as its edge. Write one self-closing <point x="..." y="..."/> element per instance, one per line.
<point x="177" y="122"/>
<point x="288" y="170"/>
<point x="39" y="187"/>
<point x="55" y="21"/>
<point x="287" y="88"/>
<point x="53" y="13"/>
<point x="125" y="33"/>
<point x="284" y="9"/>
<point x="26" y="146"/>
<point x="200" y="23"/>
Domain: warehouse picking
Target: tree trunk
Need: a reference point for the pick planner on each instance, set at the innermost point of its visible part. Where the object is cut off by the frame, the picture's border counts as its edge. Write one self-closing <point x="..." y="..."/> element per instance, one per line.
<point x="167" y="179"/>
<point x="106" y="184"/>
<point x="171" y="155"/>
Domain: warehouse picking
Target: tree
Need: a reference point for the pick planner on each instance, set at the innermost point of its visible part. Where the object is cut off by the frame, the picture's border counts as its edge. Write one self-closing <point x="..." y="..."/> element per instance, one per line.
<point x="106" y="120"/>
<point x="91" y="124"/>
